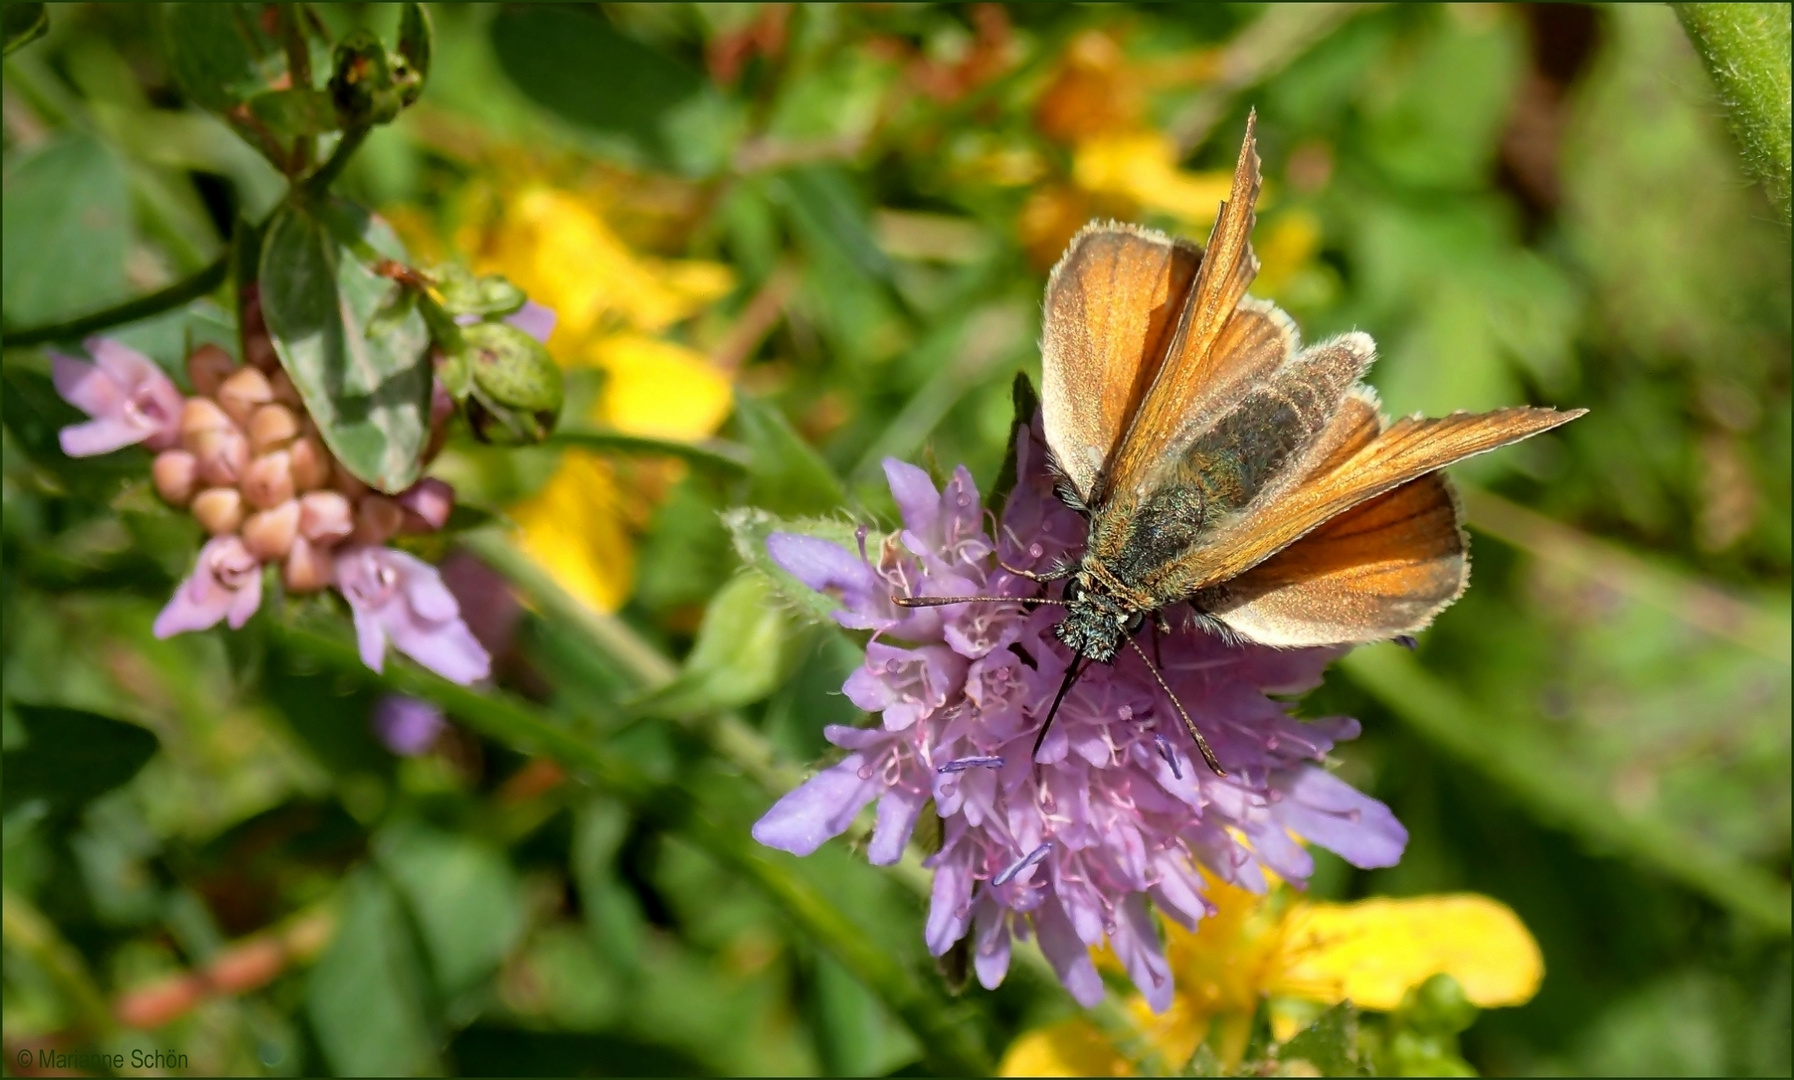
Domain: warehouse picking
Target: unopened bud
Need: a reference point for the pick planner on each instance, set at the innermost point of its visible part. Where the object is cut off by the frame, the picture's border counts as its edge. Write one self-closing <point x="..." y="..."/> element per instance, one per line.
<point x="308" y="567"/>
<point x="269" y="534"/>
<point x="348" y="483"/>
<point x="325" y="517"/>
<point x="243" y="393"/>
<point x="272" y="427"/>
<point x="377" y="518"/>
<point x="311" y="463"/>
<point x="268" y="481"/>
<point x="200" y="415"/>
<point x="219" y="510"/>
<point x="207" y="369"/>
<point x="175" y="473"/>
<point x="284" y="390"/>
<point x="427" y="505"/>
<point x="222" y="454"/>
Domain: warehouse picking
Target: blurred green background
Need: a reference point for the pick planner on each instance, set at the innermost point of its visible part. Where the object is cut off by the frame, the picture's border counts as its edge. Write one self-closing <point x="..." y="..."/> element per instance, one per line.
<point x="844" y="215"/>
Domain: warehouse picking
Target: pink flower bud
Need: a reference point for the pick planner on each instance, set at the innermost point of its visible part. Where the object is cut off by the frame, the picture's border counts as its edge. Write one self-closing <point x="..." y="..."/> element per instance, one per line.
<point x="243" y="393"/>
<point x="285" y="392"/>
<point x="175" y="472"/>
<point x="427" y="505"/>
<point x="200" y="415"/>
<point x="207" y="368"/>
<point x="269" y="534"/>
<point x="222" y="454"/>
<point x="258" y="347"/>
<point x="272" y="427"/>
<point x="308" y="568"/>
<point x="325" y="517"/>
<point x="219" y="510"/>
<point x="377" y="518"/>
<point x="311" y="463"/>
<point x="268" y="481"/>
<point x="347" y="482"/>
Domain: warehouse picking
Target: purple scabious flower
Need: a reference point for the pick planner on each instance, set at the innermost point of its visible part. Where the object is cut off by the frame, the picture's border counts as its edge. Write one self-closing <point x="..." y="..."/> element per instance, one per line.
<point x="400" y="598"/>
<point x="1118" y="809"/>
<point x="129" y="398"/>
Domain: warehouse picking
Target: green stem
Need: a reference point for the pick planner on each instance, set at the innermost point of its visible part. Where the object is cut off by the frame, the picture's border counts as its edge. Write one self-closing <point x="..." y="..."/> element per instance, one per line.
<point x="1746" y="50"/>
<point x="949" y="1048"/>
<point x="319" y="182"/>
<point x="143" y="307"/>
<point x="26" y="930"/>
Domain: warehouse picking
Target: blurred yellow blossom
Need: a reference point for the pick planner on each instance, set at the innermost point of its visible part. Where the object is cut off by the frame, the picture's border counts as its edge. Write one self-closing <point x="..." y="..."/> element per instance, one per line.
<point x="1141" y="167"/>
<point x="1280" y="947"/>
<point x="611" y="301"/>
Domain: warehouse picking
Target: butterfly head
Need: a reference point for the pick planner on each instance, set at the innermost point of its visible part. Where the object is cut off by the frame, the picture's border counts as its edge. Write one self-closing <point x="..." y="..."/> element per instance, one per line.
<point x="1095" y="622"/>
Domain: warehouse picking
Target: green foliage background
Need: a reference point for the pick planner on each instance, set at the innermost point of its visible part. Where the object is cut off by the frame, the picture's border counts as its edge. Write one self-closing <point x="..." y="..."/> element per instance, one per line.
<point x="1521" y="205"/>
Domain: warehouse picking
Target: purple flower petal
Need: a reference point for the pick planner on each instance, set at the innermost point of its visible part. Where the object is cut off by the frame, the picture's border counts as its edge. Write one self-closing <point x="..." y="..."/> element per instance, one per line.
<point x="897" y="813"/>
<point x="399" y="598"/>
<point x="950" y="903"/>
<point x="1330" y="812"/>
<point x="534" y="319"/>
<point x="917" y="500"/>
<point x="226" y="581"/>
<point x="818" y="810"/>
<point x="84" y="385"/>
<point x="407" y="726"/>
<point x="1068" y="954"/>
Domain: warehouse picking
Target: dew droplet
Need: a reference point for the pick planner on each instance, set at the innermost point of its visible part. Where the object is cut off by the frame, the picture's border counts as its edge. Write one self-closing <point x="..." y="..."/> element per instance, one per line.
<point x="1272" y="742"/>
<point x="1125" y="713"/>
<point x="1354" y="815"/>
<point x="1035" y="551"/>
<point x="865" y="771"/>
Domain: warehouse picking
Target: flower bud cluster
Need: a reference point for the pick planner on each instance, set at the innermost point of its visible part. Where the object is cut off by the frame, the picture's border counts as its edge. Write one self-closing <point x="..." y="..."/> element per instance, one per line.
<point x="249" y="463"/>
<point x="244" y="458"/>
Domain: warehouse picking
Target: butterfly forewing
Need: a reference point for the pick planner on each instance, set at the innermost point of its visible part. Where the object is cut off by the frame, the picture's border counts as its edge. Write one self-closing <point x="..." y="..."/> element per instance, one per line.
<point x="1112" y="304"/>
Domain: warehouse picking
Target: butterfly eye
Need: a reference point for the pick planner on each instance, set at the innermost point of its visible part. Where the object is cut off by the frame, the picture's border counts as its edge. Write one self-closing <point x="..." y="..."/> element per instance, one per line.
<point x="1073" y="591"/>
<point x="1131" y="621"/>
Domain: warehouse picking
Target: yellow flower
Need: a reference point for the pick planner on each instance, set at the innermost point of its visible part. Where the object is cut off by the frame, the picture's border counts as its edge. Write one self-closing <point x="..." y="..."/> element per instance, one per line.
<point x="1289" y="950"/>
<point x="611" y="302"/>
<point x="1141" y="167"/>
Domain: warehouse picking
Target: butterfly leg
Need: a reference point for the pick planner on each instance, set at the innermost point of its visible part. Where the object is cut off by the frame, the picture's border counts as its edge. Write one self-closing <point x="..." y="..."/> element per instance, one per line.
<point x="1071" y="676"/>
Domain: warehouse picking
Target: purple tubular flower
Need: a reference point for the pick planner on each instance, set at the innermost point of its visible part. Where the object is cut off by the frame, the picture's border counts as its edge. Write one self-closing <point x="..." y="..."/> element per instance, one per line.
<point x="399" y="598"/>
<point x="226" y="584"/>
<point x="1072" y="846"/>
<point x="532" y="318"/>
<point x="407" y="726"/>
<point x="130" y="399"/>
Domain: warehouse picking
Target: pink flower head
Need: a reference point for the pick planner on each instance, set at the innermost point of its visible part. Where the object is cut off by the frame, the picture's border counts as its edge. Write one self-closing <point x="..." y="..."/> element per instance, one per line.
<point x="130" y="399"/>
<point x="1118" y="810"/>
<point x="227" y="583"/>
<point x="399" y="598"/>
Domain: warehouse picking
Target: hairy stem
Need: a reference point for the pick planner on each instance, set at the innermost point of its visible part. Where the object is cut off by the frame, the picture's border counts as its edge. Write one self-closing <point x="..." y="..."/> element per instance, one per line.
<point x="1746" y="50"/>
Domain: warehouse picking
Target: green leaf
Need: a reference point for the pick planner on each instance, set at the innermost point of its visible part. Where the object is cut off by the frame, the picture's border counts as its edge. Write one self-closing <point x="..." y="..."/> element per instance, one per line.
<point x="365" y="997"/>
<point x="463" y="895"/>
<point x="1330" y="1044"/>
<point x="295" y="112"/>
<point x="71" y="757"/>
<point x="741" y="655"/>
<point x="827" y="212"/>
<point x="1027" y="403"/>
<point x="614" y="919"/>
<point x="750" y="528"/>
<point x="22" y="24"/>
<point x="416" y="45"/>
<point x="484" y="295"/>
<point x="218" y="54"/>
<point x="579" y="67"/>
<point x="788" y="476"/>
<point x="67" y="230"/>
<point x="368" y="394"/>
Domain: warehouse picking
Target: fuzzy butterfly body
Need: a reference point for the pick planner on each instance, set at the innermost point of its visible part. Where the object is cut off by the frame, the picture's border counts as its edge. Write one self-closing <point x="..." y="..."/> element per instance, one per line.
<point x="1222" y="463"/>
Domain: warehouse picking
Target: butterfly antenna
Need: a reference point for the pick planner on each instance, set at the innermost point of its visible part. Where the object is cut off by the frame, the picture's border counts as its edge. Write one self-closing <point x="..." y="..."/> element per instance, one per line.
<point x="1208" y="755"/>
<point x="1071" y="676"/>
<point x="943" y="601"/>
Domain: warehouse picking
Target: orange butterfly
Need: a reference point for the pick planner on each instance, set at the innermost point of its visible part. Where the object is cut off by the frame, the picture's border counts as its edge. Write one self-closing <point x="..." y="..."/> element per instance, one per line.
<point x="1222" y="464"/>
